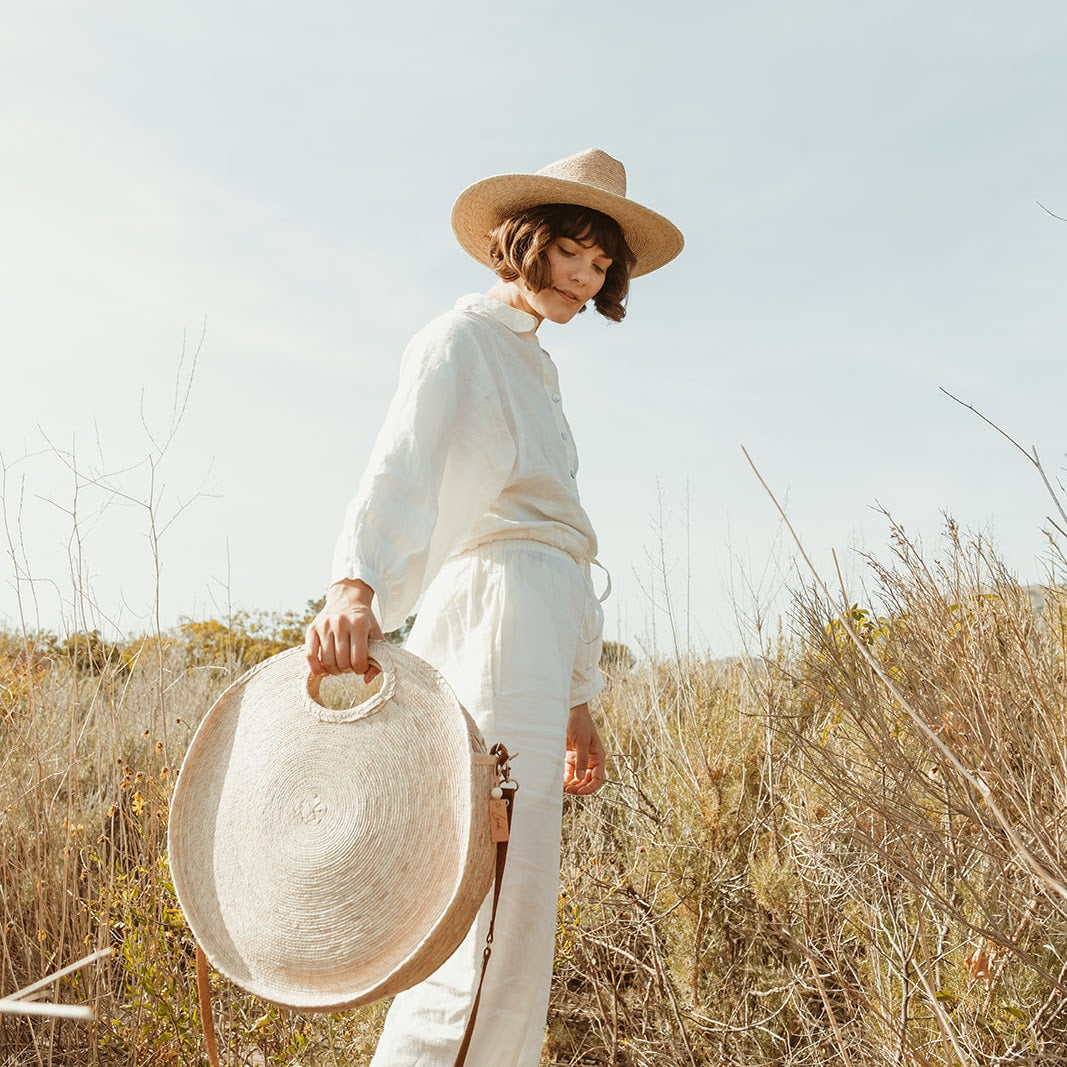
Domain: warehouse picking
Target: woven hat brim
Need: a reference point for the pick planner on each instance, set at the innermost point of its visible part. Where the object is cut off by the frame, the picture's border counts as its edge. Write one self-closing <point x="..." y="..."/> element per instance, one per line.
<point x="653" y="239"/>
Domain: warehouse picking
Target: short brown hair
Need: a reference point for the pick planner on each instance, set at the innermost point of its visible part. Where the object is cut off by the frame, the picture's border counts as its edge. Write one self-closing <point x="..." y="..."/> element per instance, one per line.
<point x="517" y="250"/>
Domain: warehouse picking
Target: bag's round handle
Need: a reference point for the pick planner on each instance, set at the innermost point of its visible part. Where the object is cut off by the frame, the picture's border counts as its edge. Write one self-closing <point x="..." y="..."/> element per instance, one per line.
<point x="380" y="653"/>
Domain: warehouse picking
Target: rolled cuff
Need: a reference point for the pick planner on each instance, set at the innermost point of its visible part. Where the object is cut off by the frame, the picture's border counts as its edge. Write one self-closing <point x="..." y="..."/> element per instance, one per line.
<point x="586" y="679"/>
<point x="582" y="694"/>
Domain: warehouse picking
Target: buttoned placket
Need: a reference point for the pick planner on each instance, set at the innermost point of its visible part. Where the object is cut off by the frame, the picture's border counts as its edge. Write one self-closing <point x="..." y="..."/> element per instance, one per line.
<point x="550" y="378"/>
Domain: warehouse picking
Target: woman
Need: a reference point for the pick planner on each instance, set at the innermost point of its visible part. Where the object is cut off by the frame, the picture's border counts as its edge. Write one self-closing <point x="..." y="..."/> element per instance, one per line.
<point x="470" y="500"/>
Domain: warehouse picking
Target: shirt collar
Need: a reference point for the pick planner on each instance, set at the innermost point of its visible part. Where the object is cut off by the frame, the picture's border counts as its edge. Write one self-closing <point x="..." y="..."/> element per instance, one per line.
<point x="515" y="320"/>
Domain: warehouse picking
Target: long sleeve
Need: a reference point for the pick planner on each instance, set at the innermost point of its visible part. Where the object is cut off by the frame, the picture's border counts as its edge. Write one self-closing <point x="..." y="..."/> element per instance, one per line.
<point x="443" y="455"/>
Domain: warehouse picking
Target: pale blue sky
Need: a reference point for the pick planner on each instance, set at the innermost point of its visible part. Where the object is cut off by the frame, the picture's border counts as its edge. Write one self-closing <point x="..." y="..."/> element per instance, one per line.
<point x="857" y="183"/>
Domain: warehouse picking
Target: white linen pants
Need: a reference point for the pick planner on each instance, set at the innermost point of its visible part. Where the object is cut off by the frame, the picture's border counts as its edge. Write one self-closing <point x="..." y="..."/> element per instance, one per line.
<point x="503" y="623"/>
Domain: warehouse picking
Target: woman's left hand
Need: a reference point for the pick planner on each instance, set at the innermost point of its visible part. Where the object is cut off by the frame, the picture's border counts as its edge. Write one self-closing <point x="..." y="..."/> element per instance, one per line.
<point x="583" y="768"/>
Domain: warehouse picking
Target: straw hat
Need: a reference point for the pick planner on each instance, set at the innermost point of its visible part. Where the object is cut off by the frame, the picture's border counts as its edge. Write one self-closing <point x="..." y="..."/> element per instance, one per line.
<point x="590" y="178"/>
<point x="327" y="858"/>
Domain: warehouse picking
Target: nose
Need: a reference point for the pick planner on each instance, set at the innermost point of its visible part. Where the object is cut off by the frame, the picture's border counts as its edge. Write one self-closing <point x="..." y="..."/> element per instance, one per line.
<point x="580" y="270"/>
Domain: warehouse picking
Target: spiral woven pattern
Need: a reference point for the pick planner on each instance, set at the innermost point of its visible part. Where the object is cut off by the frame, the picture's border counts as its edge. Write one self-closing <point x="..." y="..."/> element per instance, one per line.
<point x="324" y="859"/>
<point x="592" y="179"/>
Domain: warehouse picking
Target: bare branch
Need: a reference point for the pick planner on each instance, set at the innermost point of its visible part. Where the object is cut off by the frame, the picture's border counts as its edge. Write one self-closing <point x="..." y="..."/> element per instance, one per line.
<point x="1047" y="212"/>
<point x="1026" y="859"/>
<point x="989" y="422"/>
<point x="1031" y="455"/>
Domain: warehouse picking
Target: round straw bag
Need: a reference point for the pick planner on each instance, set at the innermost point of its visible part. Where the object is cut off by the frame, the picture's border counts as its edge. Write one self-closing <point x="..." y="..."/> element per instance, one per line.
<point x="328" y="858"/>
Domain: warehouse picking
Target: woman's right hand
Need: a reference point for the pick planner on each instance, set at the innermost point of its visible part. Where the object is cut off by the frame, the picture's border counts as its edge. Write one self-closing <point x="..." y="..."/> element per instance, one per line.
<point x="337" y="638"/>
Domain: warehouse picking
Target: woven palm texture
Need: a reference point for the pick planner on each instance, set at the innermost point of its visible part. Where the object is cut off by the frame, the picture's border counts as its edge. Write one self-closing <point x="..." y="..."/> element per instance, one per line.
<point x="592" y="179"/>
<point x="327" y="858"/>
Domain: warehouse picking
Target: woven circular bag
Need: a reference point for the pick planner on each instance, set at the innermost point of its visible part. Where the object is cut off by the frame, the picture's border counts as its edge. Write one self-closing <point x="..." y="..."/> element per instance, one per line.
<point x="325" y="858"/>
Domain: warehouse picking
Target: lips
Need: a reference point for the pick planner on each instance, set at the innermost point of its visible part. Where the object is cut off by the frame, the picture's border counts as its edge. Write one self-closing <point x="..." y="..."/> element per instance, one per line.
<point x="568" y="295"/>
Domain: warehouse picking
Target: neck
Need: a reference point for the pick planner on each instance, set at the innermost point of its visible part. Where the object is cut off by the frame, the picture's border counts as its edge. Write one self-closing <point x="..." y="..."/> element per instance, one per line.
<point x="512" y="294"/>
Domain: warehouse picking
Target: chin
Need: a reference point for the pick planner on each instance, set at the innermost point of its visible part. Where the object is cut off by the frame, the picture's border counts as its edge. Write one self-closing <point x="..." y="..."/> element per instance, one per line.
<point x="565" y="315"/>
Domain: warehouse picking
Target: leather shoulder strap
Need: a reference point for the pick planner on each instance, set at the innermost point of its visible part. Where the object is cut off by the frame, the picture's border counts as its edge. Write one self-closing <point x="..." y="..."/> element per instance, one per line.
<point x="207" y="1016"/>
<point x="501" y="860"/>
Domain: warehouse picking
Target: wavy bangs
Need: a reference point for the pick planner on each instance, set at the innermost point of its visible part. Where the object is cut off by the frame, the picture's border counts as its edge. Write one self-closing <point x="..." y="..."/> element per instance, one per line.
<point x="517" y="250"/>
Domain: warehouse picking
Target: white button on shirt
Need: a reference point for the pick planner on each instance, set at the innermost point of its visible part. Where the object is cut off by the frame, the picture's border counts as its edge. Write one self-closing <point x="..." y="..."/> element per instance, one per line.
<point x="475" y="448"/>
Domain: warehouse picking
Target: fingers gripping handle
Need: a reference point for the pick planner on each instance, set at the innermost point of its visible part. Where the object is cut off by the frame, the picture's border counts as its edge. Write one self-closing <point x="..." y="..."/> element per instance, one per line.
<point x="380" y="654"/>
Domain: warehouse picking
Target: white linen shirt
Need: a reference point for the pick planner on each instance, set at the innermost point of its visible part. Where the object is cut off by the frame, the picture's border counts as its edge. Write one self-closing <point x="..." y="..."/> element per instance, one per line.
<point x="475" y="448"/>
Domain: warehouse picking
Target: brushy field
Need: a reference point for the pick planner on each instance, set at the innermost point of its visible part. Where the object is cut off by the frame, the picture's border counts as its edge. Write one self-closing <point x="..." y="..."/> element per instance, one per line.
<point x="845" y="848"/>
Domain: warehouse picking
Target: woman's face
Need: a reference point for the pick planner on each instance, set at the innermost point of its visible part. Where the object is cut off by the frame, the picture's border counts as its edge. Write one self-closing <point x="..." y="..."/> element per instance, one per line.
<point x="577" y="274"/>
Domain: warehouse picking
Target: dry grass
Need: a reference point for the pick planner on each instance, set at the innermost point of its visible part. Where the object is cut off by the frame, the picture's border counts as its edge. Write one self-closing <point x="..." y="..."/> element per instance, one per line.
<point x="785" y="868"/>
<point x="847" y="849"/>
<point x="89" y="751"/>
<point x="796" y="865"/>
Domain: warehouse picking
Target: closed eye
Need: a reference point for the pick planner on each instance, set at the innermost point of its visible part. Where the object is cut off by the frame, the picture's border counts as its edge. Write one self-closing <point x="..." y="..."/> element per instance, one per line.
<point x="570" y="252"/>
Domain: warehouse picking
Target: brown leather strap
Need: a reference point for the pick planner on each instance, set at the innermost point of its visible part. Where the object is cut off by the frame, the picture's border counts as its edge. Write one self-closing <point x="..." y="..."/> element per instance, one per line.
<point x="207" y="1016"/>
<point x="501" y="859"/>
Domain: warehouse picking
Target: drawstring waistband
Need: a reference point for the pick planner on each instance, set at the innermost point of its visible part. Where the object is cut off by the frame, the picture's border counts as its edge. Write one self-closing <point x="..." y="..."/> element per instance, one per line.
<point x="593" y="617"/>
<point x="607" y="575"/>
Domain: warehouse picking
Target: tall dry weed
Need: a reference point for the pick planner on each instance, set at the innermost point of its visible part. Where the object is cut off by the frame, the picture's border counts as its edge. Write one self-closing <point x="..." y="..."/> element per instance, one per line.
<point x="786" y="869"/>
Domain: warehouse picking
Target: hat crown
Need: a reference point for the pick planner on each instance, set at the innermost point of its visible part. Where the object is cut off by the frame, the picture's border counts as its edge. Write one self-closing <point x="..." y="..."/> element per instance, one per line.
<point x="592" y="167"/>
